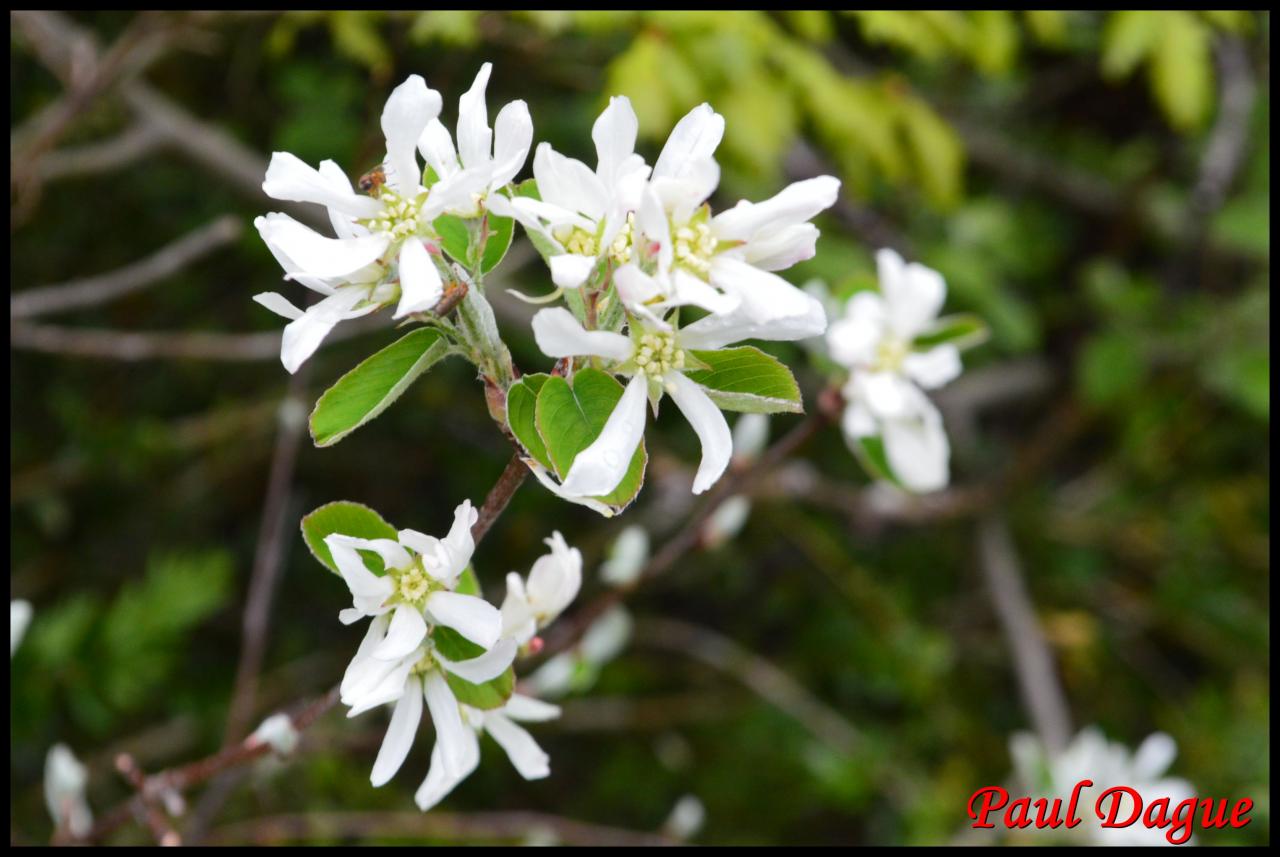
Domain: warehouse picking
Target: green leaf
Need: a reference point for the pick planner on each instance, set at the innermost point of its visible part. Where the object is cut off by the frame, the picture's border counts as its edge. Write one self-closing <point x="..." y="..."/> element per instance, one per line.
<point x="498" y="241"/>
<point x="455" y="237"/>
<point x="870" y="451"/>
<point x="569" y="418"/>
<point x="468" y="583"/>
<point x="1182" y="70"/>
<point x="522" y="401"/>
<point x="349" y="519"/>
<point x="493" y="693"/>
<point x="935" y="149"/>
<point x="963" y="330"/>
<point x="370" y="388"/>
<point x="747" y="379"/>
<point x="1128" y="38"/>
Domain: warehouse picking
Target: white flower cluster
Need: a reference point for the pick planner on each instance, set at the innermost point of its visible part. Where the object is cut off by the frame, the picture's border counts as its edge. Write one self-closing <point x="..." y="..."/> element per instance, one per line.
<point x="386" y="249"/>
<point x="429" y="642"/>
<point x="650" y="235"/>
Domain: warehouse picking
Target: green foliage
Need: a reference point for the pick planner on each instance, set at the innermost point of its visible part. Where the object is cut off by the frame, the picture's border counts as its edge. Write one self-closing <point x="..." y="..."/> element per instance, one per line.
<point x="348" y="519"/>
<point x="491" y="694"/>
<point x="369" y="389"/>
<point x="748" y="380"/>
<point x="570" y="417"/>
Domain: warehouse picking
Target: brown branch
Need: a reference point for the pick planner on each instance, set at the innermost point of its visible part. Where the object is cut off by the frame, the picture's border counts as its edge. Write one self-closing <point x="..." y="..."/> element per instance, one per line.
<point x="512" y="477"/>
<point x="1033" y="661"/>
<point x="153" y="345"/>
<point x="99" y="289"/>
<point x="129" y="146"/>
<point x="268" y="560"/>
<point x="478" y="826"/>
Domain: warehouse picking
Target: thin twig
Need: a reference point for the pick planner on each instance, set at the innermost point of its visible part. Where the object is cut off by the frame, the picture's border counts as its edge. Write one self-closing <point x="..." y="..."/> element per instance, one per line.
<point x="1033" y="662"/>
<point x="759" y="675"/>
<point x="166" y="261"/>
<point x="268" y="556"/>
<point x="512" y="477"/>
<point x="129" y="146"/>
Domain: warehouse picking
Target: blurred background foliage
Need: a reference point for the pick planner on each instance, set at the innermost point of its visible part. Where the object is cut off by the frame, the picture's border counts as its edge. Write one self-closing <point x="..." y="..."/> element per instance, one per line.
<point x="1096" y="185"/>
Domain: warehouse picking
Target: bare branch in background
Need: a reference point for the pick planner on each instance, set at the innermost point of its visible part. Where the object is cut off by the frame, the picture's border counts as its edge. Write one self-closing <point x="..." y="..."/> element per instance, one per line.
<point x="165" y="262"/>
<point x="129" y="146"/>
<point x="757" y="674"/>
<point x="1033" y="662"/>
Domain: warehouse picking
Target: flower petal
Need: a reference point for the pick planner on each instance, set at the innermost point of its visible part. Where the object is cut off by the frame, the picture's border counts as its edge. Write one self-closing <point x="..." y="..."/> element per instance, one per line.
<point x="420" y="285"/>
<point x="472" y="617"/>
<point x="599" y="468"/>
<point x="367" y="589"/>
<point x="316" y="255"/>
<point x="717" y="331"/>
<point x="409" y="108"/>
<point x="278" y="304"/>
<point x="540" y="473"/>
<point x="933" y="368"/>
<point x="440" y="782"/>
<point x="570" y="270"/>
<point x="512" y="137"/>
<point x="568" y="183"/>
<point x="695" y="137"/>
<point x="290" y="178"/>
<point x="917" y="448"/>
<point x="559" y="334"/>
<point x="453" y="737"/>
<point x="614" y="134"/>
<point x="407" y="631"/>
<point x="710" y="426"/>
<point x="913" y="293"/>
<point x="382" y="685"/>
<point x="436" y="146"/>
<point x="530" y="710"/>
<point x="475" y="140"/>
<point x="525" y="754"/>
<point x="1154" y="756"/>
<point x="854" y="338"/>
<point x="765" y="296"/>
<point x="486" y="667"/>
<point x="400" y="732"/>
<point x="794" y="204"/>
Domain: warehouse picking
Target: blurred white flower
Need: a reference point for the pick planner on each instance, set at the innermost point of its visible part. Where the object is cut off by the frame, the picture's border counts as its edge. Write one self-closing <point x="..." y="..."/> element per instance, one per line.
<point x="1108" y="763"/>
<point x="726" y="521"/>
<point x="278" y="732"/>
<point x="627" y="556"/>
<point x="686" y="818"/>
<point x="19" y="619"/>
<point x="578" y="668"/>
<point x="553" y="583"/>
<point x="65" y="780"/>
<point x="877" y="340"/>
<point x="750" y="435"/>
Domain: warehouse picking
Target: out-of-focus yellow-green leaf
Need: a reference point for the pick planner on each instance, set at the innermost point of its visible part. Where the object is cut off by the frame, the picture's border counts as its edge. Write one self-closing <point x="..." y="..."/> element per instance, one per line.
<point x="450" y="26"/>
<point x="906" y="30"/>
<point x="636" y="73"/>
<point x="1232" y="20"/>
<point x="1182" y="70"/>
<point x="355" y="35"/>
<point x="994" y="43"/>
<point x="1127" y="39"/>
<point x="935" y="150"/>
<point x="812" y="24"/>
<point x="1047" y="26"/>
<point x="762" y="116"/>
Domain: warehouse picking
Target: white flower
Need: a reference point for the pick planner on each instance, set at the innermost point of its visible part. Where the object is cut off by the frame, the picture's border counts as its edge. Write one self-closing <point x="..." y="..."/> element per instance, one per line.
<point x="421" y="573"/>
<point x="65" y="780"/>
<point x="721" y="263"/>
<point x="726" y="521"/>
<point x="876" y="339"/>
<point x="279" y="732"/>
<point x="1091" y="756"/>
<point x="656" y="361"/>
<point x="586" y="215"/>
<point x="485" y="159"/>
<point x="686" y="818"/>
<point x="381" y="250"/>
<point x="627" y="556"/>
<point x="750" y="435"/>
<point x="553" y="583"/>
<point x="461" y="744"/>
<point x="19" y="619"/>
